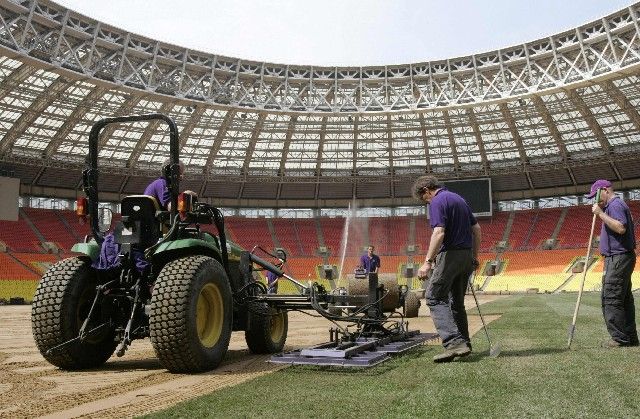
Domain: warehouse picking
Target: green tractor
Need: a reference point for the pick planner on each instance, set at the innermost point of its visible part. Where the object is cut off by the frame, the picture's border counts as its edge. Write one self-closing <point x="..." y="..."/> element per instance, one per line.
<point x="183" y="287"/>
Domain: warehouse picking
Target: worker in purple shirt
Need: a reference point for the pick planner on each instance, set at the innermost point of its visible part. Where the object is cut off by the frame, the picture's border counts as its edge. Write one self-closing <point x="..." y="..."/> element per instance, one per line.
<point x="617" y="245"/>
<point x="450" y="260"/>
<point x="272" y="283"/>
<point x="110" y="250"/>
<point x="160" y="191"/>
<point x="370" y="262"/>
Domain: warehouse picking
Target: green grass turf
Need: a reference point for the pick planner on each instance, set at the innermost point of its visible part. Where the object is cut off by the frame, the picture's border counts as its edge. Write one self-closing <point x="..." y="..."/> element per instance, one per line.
<point x="534" y="376"/>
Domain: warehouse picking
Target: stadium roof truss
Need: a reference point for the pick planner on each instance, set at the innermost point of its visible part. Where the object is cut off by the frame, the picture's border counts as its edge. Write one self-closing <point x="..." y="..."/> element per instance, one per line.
<point x="542" y="118"/>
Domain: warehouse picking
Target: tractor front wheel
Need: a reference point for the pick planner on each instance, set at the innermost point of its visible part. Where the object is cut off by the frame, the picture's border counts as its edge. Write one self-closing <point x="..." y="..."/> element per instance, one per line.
<point x="411" y="304"/>
<point x="267" y="328"/>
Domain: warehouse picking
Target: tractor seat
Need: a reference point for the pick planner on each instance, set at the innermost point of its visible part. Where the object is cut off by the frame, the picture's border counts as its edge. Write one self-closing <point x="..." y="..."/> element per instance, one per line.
<point x="139" y="225"/>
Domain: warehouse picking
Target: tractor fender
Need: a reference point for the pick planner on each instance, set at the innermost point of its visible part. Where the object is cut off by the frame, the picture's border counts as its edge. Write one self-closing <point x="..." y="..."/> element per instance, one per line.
<point x="196" y="246"/>
<point x="91" y="249"/>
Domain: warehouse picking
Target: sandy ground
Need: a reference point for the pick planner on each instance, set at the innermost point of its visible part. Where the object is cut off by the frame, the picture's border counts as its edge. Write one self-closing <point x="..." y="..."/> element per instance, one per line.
<point x="136" y="383"/>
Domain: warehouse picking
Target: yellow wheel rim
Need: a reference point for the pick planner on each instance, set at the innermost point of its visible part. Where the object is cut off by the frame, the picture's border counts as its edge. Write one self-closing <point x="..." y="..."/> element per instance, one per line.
<point x="210" y="315"/>
<point x="277" y="326"/>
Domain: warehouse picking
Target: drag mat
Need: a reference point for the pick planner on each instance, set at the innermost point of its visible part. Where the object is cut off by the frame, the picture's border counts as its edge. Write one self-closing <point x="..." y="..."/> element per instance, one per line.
<point x="137" y="383"/>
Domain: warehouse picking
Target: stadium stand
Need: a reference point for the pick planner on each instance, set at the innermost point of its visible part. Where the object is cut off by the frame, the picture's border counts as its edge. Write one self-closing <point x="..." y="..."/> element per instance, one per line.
<point x="332" y="232"/>
<point x="51" y="227"/>
<point x="250" y="232"/>
<point x="523" y="268"/>
<point x="521" y="228"/>
<point x="576" y="228"/>
<point x="19" y="236"/>
<point x="78" y="229"/>
<point x="528" y="283"/>
<point x="389" y="234"/>
<point x="12" y="269"/>
<point x="539" y="261"/>
<point x="484" y="259"/>
<point x="423" y="233"/>
<point x="492" y="230"/>
<point x="541" y="270"/>
<point x="303" y="268"/>
<point x="16" y="279"/>
<point x="287" y="236"/>
<point x="357" y="237"/>
<point x="544" y="223"/>
<point x="297" y="236"/>
<point x="308" y="236"/>
<point x="36" y="262"/>
<point x="593" y="280"/>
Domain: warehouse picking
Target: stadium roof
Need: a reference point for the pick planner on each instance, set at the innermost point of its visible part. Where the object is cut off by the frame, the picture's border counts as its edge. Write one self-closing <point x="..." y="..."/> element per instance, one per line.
<point x="543" y="118"/>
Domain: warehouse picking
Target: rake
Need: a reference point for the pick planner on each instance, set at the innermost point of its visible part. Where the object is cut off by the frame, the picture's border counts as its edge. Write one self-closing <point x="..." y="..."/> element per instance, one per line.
<point x="572" y="327"/>
<point x="494" y="350"/>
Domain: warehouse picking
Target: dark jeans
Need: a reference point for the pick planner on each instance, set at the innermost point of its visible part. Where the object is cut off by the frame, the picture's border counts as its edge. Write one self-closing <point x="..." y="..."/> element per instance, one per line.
<point x="272" y="288"/>
<point x="618" y="307"/>
<point x="445" y="295"/>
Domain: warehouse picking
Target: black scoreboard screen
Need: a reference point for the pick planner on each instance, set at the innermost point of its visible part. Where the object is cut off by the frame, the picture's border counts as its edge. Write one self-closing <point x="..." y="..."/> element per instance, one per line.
<point x="477" y="193"/>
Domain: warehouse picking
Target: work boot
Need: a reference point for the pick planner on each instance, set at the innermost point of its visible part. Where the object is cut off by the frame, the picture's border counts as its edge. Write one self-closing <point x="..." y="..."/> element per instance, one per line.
<point x="613" y="344"/>
<point x="451" y="353"/>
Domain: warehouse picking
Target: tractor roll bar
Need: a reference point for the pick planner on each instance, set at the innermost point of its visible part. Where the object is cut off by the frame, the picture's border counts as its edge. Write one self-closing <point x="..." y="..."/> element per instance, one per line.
<point x="90" y="173"/>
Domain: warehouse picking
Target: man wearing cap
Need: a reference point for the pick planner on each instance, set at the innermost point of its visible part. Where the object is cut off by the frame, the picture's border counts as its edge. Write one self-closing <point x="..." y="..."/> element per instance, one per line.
<point x="617" y="245"/>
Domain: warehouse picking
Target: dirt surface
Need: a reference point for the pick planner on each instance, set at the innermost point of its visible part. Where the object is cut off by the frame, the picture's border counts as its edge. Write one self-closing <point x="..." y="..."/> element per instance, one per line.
<point x="137" y="383"/>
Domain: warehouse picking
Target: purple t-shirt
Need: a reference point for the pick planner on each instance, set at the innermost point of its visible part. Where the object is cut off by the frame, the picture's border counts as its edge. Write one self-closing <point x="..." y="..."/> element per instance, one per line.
<point x="370" y="264"/>
<point x="159" y="190"/>
<point x="272" y="285"/>
<point x="271" y="277"/>
<point x="612" y="243"/>
<point x="451" y="211"/>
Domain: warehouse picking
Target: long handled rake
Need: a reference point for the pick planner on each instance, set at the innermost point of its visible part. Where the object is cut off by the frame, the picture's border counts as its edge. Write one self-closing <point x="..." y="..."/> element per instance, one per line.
<point x="494" y="350"/>
<point x="572" y="328"/>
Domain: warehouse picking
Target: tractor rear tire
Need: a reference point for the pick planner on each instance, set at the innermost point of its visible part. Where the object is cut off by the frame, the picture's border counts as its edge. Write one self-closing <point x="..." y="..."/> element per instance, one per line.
<point x="191" y="314"/>
<point x="392" y="300"/>
<point x="411" y="304"/>
<point x="60" y="306"/>
<point x="267" y="328"/>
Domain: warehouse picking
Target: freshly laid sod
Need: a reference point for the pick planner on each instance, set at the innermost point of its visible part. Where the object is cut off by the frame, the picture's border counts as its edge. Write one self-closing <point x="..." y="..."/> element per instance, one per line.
<point x="534" y="376"/>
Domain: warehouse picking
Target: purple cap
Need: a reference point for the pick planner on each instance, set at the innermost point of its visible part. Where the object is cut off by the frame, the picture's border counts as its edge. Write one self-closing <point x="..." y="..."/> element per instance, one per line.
<point x="597" y="185"/>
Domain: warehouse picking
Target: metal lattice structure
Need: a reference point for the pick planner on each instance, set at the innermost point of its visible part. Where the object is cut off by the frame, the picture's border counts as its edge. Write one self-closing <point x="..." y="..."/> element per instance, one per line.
<point x="542" y="118"/>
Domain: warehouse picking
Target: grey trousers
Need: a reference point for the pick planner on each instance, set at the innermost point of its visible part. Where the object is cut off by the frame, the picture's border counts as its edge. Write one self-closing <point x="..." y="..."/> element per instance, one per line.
<point x="618" y="307"/>
<point x="445" y="295"/>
